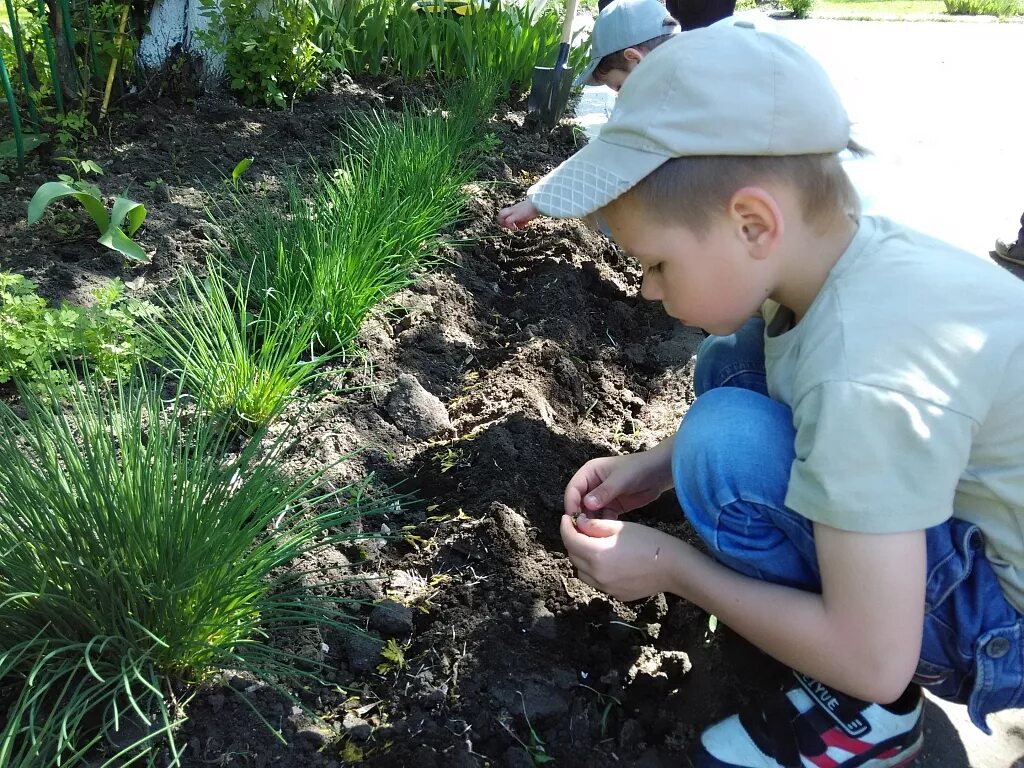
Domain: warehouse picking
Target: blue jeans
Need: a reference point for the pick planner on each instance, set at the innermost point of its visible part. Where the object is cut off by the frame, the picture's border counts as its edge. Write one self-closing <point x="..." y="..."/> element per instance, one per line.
<point x="731" y="463"/>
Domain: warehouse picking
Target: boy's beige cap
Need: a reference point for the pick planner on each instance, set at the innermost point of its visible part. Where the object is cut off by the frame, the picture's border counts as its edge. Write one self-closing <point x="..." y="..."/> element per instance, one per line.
<point x="624" y="23"/>
<point x="727" y="89"/>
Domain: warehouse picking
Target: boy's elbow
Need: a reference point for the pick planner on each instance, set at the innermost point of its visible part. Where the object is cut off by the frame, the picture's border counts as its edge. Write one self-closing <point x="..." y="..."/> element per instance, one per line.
<point x="889" y="680"/>
<point x="889" y="690"/>
<point x="882" y="660"/>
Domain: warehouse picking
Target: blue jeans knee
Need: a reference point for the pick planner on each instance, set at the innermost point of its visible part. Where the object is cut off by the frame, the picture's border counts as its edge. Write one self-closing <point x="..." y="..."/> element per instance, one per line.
<point x="730" y="464"/>
<point x="732" y="361"/>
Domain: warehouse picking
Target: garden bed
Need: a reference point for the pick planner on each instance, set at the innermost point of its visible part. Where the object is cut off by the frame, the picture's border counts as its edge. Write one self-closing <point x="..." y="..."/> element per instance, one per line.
<point x="542" y="355"/>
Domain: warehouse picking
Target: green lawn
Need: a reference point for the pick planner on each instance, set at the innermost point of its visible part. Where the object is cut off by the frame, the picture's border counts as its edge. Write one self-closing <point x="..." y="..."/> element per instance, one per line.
<point x="881" y="7"/>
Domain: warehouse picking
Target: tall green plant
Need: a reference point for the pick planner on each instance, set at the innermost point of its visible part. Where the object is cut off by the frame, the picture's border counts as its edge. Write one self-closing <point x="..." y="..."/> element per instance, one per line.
<point x="18" y="53"/>
<point x="137" y="562"/>
<point x="12" y="107"/>
<point x="350" y="237"/>
<point x="237" y="365"/>
<point x="502" y="40"/>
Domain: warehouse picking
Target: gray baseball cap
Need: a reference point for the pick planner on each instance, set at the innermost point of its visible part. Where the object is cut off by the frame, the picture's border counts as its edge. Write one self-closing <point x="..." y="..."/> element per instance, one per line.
<point x="622" y="24"/>
<point x="727" y="89"/>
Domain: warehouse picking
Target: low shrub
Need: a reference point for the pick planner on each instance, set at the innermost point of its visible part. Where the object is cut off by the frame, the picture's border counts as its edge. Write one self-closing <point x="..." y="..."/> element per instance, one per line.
<point x="271" y="51"/>
<point x="800" y="8"/>
<point x="35" y="336"/>
<point x="999" y="8"/>
<point x="139" y="559"/>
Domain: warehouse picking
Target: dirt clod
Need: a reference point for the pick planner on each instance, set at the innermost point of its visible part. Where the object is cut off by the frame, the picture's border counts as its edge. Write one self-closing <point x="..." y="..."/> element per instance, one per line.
<point x="363" y="652"/>
<point x="391" y="619"/>
<point x="416" y="411"/>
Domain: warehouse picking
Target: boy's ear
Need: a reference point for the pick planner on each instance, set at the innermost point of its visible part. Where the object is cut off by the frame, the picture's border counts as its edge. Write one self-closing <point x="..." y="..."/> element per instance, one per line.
<point x="758" y="219"/>
<point x="633" y="55"/>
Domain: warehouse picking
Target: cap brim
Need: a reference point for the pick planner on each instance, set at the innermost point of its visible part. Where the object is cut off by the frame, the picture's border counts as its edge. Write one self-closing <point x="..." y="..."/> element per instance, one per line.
<point x="586" y="76"/>
<point x="592" y="178"/>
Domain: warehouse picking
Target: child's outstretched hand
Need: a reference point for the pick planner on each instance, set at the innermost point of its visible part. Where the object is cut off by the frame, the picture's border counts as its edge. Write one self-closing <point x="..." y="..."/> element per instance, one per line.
<point x="518" y="216"/>
<point x="613" y="485"/>
<point x="625" y="560"/>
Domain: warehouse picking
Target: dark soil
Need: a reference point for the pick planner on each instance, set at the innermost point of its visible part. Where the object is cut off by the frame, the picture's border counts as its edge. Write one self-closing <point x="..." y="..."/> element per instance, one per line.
<point x="525" y="355"/>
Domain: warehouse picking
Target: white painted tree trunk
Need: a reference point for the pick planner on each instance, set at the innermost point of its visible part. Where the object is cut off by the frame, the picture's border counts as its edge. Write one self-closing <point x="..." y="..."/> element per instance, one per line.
<point x="175" y="23"/>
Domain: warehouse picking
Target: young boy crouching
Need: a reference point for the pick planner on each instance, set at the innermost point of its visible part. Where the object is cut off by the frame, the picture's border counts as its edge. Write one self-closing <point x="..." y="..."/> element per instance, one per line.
<point x="854" y="460"/>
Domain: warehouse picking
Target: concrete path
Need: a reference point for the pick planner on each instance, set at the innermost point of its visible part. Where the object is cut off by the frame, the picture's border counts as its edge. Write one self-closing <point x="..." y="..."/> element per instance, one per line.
<point x="941" y="106"/>
<point x="952" y="741"/>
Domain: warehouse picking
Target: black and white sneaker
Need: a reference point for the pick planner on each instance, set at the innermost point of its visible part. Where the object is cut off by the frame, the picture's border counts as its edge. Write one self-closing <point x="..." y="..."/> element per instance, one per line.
<point x="815" y="726"/>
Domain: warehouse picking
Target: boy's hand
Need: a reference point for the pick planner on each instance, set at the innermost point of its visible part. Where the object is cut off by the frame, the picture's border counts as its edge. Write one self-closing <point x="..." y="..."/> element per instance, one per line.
<point x="619" y="484"/>
<point x="625" y="560"/>
<point x="518" y="216"/>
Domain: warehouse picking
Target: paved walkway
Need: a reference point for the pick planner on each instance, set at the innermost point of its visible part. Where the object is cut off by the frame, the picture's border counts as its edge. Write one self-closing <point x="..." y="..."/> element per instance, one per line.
<point x="941" y="106"/>
<point x="952" y="741"/>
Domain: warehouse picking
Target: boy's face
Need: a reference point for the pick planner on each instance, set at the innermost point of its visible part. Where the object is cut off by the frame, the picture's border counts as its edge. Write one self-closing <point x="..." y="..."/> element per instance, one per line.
<point x="709" y="281"/>
<point x="614" y="78"/>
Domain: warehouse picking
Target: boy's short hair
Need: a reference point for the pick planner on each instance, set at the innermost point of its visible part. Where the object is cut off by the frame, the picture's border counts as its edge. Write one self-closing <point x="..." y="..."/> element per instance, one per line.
<point x="625" y="24"/>
<point x="744" y="98"/>
<point x="693" y="191"/>
<point x="617" y="59"/>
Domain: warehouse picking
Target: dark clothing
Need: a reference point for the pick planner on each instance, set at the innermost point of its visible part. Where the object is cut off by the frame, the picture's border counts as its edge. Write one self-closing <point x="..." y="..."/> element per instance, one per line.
<point x="692" y="14"/>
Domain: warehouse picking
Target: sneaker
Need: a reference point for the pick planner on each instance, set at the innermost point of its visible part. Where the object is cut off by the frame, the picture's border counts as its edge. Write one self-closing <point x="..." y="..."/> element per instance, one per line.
<point x="815" y="726"/>
<point x="1014" y="252"/>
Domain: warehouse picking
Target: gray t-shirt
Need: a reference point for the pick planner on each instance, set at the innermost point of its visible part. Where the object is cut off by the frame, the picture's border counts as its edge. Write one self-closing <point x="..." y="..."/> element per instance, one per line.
<point x="906" y="381"/>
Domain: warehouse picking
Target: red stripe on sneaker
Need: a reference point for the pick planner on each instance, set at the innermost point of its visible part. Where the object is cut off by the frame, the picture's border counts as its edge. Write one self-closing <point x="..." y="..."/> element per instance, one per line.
<point x="822" y="761"/>
<point x="836" y="738"/>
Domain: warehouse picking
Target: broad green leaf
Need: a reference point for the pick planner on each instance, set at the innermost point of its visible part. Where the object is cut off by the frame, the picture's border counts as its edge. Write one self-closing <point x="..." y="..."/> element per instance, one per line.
<point x="136" y="213"/>
<point x="242" y="167"/>
<point x="115" y="239"/>
<point x="53" y="190"/>
<point x="97" y="210"/>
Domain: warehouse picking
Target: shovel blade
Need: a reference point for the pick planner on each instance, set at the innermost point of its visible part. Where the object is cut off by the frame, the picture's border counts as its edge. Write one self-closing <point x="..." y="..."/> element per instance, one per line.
<point x="549" y="93"/>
